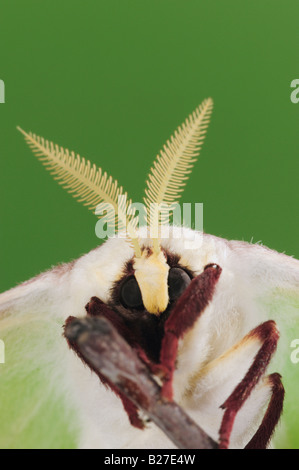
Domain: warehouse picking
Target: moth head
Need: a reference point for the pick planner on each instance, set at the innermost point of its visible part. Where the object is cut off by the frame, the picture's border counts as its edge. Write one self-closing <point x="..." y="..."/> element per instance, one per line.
<point x="151" y="283"/>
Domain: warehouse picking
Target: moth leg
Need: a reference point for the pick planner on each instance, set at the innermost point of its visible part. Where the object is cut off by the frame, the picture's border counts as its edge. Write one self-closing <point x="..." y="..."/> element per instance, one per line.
<point x="97" y="308"/>
<point x="268" y="335"/>
<point x="263" y="434"/>
<point x="186" y="311"/>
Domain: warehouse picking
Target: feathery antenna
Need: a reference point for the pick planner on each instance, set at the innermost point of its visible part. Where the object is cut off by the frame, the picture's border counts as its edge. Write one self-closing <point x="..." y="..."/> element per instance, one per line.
<point x="84" y="181"/>
<point x="172" y="167"/>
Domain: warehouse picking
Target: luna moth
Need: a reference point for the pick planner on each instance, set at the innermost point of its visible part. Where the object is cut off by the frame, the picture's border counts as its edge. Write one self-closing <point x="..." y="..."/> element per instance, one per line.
<point x="220" y="377"/>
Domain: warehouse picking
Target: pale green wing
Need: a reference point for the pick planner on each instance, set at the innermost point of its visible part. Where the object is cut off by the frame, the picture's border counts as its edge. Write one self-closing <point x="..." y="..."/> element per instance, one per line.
<point x="273" y="280"/>
<point x="35" y="408"/>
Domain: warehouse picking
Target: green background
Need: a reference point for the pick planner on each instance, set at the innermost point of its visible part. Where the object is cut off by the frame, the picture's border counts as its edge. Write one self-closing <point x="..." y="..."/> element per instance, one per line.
<point x="112" y="80"/>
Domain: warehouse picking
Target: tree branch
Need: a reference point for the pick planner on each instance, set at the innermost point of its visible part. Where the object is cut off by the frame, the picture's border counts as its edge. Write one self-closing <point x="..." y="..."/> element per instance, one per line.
<point x="103" y="347"/>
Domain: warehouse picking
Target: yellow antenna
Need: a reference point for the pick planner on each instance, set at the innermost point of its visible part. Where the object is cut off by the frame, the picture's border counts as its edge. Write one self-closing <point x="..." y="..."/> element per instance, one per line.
<point x="172" y="167"/>
<point x="84" y="181"/>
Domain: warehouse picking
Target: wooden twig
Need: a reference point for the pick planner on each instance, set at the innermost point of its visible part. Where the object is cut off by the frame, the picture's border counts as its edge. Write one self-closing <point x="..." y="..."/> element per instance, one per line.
<point x="105" y="349"/>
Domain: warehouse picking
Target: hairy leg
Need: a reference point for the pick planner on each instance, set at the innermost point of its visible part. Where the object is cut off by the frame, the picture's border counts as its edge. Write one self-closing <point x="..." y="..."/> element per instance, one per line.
<point x="184" y="314"/>
<point x="268" y="335"/>
<point x="209" y="387"/>
<point x="97" y="308"/>
<point x="264" y="433"/>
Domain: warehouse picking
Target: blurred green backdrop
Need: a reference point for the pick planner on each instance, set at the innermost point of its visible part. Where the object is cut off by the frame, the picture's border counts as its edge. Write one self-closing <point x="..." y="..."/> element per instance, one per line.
<point x="112" y="80"/>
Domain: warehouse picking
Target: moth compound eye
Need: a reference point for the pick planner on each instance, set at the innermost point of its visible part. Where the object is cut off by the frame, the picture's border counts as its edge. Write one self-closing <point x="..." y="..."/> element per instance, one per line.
<point x="130" y="294"/>
<point x="178" y="281"/>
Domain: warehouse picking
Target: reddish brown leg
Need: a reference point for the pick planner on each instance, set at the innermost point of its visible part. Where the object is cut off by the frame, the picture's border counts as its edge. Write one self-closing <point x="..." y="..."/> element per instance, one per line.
<point x="97" y="308"/>
<point x="268" y="335"/>
<point x="263" y="435"/>
<point x="183" y="316"/>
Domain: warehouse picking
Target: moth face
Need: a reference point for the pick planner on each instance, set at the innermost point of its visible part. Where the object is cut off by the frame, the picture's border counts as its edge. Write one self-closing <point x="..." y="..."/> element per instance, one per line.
<point x="146" y="293"/>
<point x="152" y="282"/>
<point x="152" y="289"/>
